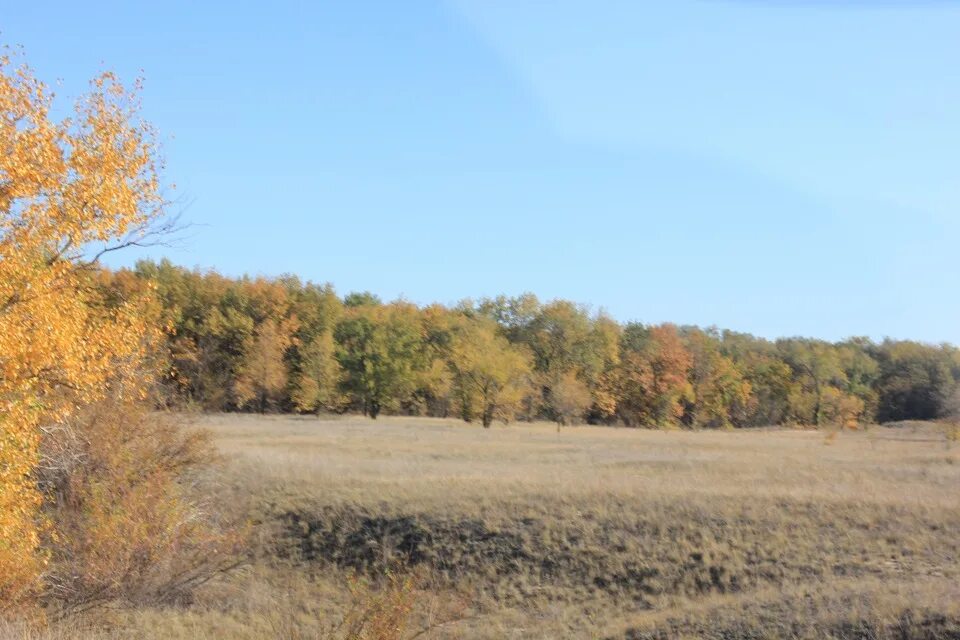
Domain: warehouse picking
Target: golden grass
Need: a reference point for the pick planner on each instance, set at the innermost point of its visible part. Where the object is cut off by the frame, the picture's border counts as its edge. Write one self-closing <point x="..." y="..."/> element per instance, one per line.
<point x="524" y="532"/>
<point x="422" y="461"/>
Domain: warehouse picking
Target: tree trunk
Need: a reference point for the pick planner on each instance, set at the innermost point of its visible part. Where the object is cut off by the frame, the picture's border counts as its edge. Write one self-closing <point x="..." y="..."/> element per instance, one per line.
<point x="816" y="408"/>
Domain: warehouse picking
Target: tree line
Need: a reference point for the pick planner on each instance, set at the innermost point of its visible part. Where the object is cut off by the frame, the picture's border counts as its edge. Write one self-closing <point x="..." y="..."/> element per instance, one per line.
<point x="279" y="344"/>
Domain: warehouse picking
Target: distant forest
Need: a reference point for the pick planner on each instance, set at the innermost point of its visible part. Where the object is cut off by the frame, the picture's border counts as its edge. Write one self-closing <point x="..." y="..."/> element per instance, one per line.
<point x="279" y="344"/>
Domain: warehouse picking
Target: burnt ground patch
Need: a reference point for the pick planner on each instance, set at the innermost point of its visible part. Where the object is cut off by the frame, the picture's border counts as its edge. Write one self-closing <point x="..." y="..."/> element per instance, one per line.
<point x="639" y="553"/>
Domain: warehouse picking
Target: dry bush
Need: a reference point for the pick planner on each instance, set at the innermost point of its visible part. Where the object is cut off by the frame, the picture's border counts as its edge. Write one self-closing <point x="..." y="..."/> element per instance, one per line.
<point x="128" y="523"/>
<point x="397" y="606"/>
<point x="379" y="614"/>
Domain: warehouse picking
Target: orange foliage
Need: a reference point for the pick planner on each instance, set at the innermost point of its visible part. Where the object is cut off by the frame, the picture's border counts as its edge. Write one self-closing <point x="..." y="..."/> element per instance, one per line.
<point x="653" y="379"/>
<point x="69" y="190"/>
<point x="263" y="374"/>
<point x="380" y="614"/>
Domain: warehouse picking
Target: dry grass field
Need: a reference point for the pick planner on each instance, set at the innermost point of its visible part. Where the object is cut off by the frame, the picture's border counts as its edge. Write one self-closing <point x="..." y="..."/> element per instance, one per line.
<point x="592" y="532"/>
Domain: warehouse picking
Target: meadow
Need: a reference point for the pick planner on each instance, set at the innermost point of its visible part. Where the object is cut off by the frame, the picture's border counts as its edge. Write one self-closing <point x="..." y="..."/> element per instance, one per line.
<point x="523" y="531"/>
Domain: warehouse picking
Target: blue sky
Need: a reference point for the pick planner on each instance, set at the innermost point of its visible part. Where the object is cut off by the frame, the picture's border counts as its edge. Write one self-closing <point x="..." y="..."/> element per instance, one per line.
<point x="778" y="167"/>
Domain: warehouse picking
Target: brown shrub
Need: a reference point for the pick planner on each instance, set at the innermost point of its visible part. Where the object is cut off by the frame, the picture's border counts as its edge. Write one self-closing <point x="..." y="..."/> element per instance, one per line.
<point x="127" y="524"/>
<point x="380" y="614"/>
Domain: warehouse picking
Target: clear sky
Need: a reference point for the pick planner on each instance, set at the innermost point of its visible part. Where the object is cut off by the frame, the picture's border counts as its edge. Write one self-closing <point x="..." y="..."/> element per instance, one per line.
<point x="778" y="167"/>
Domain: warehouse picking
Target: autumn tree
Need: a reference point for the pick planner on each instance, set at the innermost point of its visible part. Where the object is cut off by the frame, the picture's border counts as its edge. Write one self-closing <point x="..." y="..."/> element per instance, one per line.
<point x="570" y="398"/>
<point x="70" y="190"/>
<point x="816" y="368"/>
<point x="212" y="322"/>
<point x="652" y="382"/>
<point x="840" y="409"/>
<point x="316" y="384"/>
<point x="605" y="338"/>
<point x="770" y="378"/>
<point x="263" y="375"/>
<point x="490" y="376"/>
<point x="435" y="388"/>
<point x="208" y="329"/>
<point x="719" y="390"/>
<point x="312" y="362"/>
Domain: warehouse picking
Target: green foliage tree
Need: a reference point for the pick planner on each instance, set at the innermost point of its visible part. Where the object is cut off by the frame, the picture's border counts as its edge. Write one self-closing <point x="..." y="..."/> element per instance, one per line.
<point x="605" y="342"/>
<point x="570" y="351"/>
<point x="380" y="355"/>
<point x="915" y="380"/>
<point x="512" y="315"/>
<point x="862" y="372"/>
<point x="361" y="299"/>
<point x="559" y="338"/>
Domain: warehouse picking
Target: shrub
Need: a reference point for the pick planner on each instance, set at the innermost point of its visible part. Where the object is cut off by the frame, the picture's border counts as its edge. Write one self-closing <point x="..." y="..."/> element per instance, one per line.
<point x="126" y="522"/>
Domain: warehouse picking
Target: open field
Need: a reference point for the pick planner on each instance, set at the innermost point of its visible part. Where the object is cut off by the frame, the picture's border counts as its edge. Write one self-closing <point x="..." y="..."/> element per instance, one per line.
<point x="524" y="532"/>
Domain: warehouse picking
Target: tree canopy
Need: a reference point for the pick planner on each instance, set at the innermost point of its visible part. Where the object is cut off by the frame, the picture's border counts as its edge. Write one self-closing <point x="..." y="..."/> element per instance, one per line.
<point x="313" y="351"/>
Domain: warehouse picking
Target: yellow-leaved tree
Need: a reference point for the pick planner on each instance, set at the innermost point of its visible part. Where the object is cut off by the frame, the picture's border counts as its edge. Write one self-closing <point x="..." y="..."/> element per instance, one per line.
<point x="70" y="190"/>
<point x="490" y="376"/>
